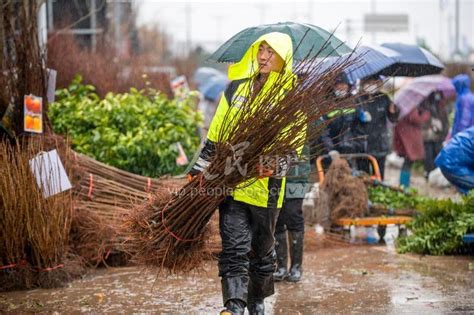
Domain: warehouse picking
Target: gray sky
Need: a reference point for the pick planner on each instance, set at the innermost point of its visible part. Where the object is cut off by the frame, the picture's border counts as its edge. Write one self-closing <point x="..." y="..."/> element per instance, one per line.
<point x="213" y="22"/>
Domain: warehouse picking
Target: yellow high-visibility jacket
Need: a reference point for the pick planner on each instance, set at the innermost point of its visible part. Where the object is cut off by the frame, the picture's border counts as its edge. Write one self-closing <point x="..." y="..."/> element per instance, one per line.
<point x="265" y="192"/>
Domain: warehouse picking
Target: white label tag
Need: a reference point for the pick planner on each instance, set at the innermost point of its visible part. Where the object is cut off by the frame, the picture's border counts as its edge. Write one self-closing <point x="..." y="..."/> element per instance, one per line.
<point x="50" y="174"/>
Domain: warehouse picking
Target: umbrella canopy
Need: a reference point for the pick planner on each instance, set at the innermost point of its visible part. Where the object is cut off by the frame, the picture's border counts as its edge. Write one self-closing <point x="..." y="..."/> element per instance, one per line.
<point x="307" y="41"/>
<point x="366" y="61"/>
<point x="413" y="61"/>
<point x="371" y="60"/>
<point x="213" y="87"/>
<point x="414" y="93"/>
<point x="204" y="74"/>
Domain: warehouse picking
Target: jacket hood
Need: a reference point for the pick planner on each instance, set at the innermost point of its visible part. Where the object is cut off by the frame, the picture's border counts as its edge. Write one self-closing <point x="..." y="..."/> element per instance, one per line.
<point x="248" y="65"/>
<point x="462" y="84"/>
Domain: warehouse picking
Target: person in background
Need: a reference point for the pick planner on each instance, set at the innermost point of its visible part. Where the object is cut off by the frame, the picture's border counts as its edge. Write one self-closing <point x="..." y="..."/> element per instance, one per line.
<point x="408" y="140"/>
<point x="338" y="134"/>
<point x="464" y="108"/>
<point x="371" y="130"/>
<point x="456" y="160"/>
<point x="208" y="108"/>
<point x="434" y="130"/>
<point x="291" y="220"/>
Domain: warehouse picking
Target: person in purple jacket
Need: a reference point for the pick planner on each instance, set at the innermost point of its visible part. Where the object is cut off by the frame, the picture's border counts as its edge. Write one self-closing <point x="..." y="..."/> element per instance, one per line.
<point x="464" y="108"/>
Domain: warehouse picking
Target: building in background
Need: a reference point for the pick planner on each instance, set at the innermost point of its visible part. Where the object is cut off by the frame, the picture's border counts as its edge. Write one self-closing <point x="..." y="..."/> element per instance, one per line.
<point x="95" y="22"/>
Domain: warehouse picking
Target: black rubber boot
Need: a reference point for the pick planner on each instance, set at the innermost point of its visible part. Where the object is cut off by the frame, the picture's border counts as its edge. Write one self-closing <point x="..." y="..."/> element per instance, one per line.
<point x="281" y="249"/>
<point x="234" y="307"/>
<point x="256" y="307"/>
<point x="296" y="255"/>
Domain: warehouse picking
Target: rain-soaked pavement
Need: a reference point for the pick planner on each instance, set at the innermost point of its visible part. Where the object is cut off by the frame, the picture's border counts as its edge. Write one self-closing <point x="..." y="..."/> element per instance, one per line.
<point x="337" y="280"/>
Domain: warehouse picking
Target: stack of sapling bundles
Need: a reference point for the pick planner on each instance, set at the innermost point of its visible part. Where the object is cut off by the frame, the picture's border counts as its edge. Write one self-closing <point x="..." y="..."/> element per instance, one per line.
<point x="34" y="219"/>
<point x="85" y="166"/>
<point x="103" y="195"/>
<point x="171" y="231"/>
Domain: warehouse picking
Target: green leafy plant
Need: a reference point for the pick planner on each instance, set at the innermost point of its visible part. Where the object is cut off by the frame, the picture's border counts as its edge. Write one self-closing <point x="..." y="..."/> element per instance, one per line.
<point x="136" y="131"/>
<point x="439" y="227"/>
<point x="395" y="199"/>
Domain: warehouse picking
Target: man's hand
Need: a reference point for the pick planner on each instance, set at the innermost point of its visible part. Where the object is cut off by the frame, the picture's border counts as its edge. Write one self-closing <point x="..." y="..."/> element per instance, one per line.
<point x="192" y="173"/>
<point x="263" y="171"/>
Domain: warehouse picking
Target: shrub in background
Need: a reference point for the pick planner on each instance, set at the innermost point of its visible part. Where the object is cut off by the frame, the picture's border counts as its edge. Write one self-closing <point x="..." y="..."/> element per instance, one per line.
<point x="136" y="131"/>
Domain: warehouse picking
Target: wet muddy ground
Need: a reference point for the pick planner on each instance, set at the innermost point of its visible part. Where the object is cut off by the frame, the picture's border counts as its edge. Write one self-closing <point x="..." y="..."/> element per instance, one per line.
<point x="337" y="280"/>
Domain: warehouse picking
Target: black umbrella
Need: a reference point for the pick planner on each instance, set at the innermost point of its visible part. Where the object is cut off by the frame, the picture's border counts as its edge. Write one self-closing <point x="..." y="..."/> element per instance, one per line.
<point x="413" y="61"/>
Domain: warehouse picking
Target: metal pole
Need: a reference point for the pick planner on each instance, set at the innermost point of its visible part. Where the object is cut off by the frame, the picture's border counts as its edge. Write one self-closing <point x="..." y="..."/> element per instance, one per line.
<point x="188" y="22"/>
<point x="42" y="27"/>
<point x="93" y="25"/>
<point x="374" y="9"/>
<point x="458" y="50"/>
<point x="218" y="27"/>
<point x="440" y="22"/>
<point x="2" y="37"/>
<point x="310" y="11"/>
<point x="50" y="15"/>
<point x="117" y="19"/>
<point x="348" y="31"/>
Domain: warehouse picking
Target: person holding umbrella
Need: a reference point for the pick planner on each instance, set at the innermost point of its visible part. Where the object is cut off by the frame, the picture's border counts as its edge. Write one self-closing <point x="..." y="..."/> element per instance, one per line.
<point x="262" y="56"/>
<point x="247" y="219"/>
<point x="371" y="130"/>
<point x="408" y="139"/>
<point x="415" y="101"/>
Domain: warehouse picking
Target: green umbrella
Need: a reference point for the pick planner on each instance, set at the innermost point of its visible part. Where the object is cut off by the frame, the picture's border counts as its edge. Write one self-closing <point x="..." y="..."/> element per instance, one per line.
<point x="307" y="40"/>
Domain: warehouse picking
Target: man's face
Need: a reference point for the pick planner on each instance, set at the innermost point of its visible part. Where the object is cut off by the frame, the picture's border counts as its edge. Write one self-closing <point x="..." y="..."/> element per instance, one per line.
<point x="268" y="59"/>
<point x="342" y="87"/>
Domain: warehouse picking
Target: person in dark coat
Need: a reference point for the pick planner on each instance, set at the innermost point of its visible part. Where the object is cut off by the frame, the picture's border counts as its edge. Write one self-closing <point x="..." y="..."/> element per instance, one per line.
<point x="408" y="140"/>
<point x="338" y="134"/>
<point x="371" y="130"/>
<point x="291" y="220"/>
<point x="434" y="130"/>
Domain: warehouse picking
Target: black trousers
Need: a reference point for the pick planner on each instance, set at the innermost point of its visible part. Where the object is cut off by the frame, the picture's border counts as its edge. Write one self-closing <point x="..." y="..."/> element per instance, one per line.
<point x="247" y="260"/>
<point x="432" y="149"/>
<point x="291" y="216"/>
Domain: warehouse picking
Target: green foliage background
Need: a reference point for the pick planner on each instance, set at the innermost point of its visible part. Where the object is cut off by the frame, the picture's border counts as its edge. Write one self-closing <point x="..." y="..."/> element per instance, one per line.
<point x="438" y="227"/>
<point x="136" y="131"/>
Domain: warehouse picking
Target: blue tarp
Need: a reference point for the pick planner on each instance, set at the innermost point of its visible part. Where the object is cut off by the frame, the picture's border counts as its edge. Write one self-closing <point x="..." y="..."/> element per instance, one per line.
<point x="456" y="160"/>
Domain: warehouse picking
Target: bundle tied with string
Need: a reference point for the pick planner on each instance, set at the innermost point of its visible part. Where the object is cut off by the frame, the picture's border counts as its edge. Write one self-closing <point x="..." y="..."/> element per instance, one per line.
<point x="102" y="196"/>
<point x="34" y="229"/>
<point x="170" y="232"/>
